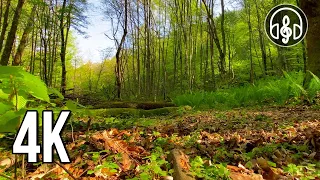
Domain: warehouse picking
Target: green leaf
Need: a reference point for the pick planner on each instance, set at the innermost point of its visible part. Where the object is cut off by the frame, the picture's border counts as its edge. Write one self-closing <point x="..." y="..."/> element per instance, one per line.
<point x="20" y="102"/>
<point x="23" y="81"/>
<point x="90" y="172"/>
<point x="10" y="121"/>
<point x="71" y="105"/>
<point x="145" y="176"/>
<point x="272" y="164"/>
<point x="95" y="156"/>
<point x="55" y="92"/>
<point x="4" y="107"/>
<point x="3" y="95"/>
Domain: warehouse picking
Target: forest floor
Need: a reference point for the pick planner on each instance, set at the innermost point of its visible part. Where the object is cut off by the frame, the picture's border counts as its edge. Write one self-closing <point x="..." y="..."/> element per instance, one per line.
<point x="270" y="142"/>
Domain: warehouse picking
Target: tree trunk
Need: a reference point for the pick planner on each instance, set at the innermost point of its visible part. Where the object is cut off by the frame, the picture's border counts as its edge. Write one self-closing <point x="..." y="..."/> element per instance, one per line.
<point x="223" y="59"/>
<point x="12" y="34"/>
<point x="64" y="39"/>
<point x="118" y="58"/>
<point x="312" y="9"/>
<point x="24" y="39"/>
<point x="261" y="40"/>
<point x="5" y="24"/>
<point x="248" y="9"/>
<point x="214" y="34"/>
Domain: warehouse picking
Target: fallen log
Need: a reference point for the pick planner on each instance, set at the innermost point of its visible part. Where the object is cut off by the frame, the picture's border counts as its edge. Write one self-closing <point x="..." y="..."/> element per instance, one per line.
<point x="181" y="165"/>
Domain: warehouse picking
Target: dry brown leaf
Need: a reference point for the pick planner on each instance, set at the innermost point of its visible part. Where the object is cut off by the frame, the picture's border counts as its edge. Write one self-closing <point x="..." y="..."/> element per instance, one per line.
<point x="126" y="162"/>
<point x="104" y="173"/>
<point x="240" y="176"/>
<point x="234" y="168"/>
<point x="184" y="164"/>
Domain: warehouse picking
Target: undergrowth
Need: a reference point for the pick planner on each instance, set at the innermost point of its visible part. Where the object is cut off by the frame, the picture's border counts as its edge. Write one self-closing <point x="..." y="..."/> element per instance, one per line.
<point x="271" y="90"/>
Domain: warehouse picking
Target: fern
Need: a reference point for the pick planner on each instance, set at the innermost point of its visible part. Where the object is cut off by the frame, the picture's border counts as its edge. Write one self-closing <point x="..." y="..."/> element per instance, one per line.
<point x="270" y="90"/>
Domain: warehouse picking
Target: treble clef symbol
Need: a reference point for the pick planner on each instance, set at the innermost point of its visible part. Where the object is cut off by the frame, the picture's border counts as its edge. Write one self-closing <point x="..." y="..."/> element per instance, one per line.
<point x="285" y="31"/>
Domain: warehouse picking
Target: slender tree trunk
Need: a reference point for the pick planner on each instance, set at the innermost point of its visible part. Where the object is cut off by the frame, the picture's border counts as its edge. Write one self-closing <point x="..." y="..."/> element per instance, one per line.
<point x="5" y="24"/>
<point x="24" y="39"/>
<point x="261" y="40"/>
<point x="12" y="34"/>
<point x="214" y="34"/>
<point x="304" y="53"/>
<point x="118" y="58"/>
<point x="223" y="34"/>
<point x="64" y="39"/>
<point x="138" y="49"/>
<point x="1" y="9"/>
<point x="248" y="9"/>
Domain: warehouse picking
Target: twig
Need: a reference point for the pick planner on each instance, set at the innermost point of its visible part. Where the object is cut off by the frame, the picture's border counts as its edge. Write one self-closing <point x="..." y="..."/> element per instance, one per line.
<point x="72" y="132"/>
<point x="5" y="176"/>
<point x="23" y="167"/>
<point x="83" y="172"/>
<point x="15" y="166"/>
<point x="70" y="174"/>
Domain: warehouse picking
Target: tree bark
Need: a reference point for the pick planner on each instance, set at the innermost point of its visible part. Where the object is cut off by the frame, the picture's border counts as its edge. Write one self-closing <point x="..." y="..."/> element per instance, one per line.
<point x="5" y="24"/>
<point x="12" y="34"/>
<point x="261" y="40"/>
<point x="223" y="34"/>
<point x="64" y="40"/>
<point x="214" y="34"/>
<point x="24" y="39"/>
<point x="312" y="10"/>
<point x="118" y="58"/>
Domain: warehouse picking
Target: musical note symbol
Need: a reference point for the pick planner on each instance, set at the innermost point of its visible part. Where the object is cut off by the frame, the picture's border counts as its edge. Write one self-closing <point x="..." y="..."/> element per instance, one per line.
<point x="285" y="31"/>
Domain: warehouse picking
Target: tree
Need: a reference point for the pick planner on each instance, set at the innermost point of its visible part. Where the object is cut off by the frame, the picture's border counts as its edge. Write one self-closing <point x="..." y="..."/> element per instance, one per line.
<point x="4" y="23"/>
<point x="71" y="14"/>
<point x="24" y="39"/>
<point x="12" y="34"/>
<point x="117" y="12"/>
<point x="64" y="32"/>
<point x="312" y="11"/>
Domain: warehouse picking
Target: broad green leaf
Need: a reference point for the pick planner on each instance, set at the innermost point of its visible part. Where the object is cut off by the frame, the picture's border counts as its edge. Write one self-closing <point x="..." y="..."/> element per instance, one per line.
<point x="23" y="81"/>
<point x="71" y="105"/>
<point x="20" y="102"/>
<point x="55" y="92"/>
<point x="3" y="95"/>
<point x="4" y="107"/>
<point x="10" y="121"/>
<point x="145" y="176"/>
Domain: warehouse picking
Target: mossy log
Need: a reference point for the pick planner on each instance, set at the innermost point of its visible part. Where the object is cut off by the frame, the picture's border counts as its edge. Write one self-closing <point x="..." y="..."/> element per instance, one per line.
<point x="131" y="112"/>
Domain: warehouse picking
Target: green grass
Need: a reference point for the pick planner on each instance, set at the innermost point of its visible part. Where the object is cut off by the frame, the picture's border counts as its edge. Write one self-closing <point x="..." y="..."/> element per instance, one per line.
<point x="271" y="91"/>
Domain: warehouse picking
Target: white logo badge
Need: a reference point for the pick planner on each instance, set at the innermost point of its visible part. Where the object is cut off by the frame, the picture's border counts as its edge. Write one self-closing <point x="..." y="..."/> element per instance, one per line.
<point x="286" y="25"/>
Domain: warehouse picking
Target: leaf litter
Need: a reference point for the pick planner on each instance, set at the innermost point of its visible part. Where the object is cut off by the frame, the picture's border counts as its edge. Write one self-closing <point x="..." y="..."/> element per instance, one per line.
<point x="271" y="143"/>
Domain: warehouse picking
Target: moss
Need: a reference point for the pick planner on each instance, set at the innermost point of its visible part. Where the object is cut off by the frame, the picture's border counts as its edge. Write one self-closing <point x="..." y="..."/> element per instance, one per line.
<point x="117" y="112"/>
<point x="131" y="112"/>
<point x="158" y="112"/>
<point x="136" y="105"/>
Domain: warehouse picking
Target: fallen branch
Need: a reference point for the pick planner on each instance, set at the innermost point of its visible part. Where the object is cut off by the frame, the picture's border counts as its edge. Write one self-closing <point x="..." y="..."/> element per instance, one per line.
<point x="5" y="176"/>
<point x="65" y="169"/>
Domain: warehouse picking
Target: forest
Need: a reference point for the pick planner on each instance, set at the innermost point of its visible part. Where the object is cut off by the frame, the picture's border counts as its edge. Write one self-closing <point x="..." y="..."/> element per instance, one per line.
<point x="189" y="89"/>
